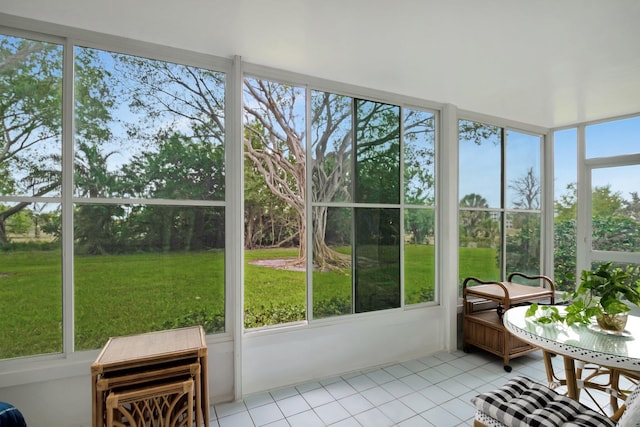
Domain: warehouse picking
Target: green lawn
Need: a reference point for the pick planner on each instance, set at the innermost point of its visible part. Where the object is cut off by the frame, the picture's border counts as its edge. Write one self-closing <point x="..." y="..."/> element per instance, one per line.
<point x="127" y="294"/>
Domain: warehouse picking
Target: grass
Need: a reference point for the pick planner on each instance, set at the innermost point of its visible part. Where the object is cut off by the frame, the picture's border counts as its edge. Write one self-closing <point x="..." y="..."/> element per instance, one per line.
<point x="127" y="294"/>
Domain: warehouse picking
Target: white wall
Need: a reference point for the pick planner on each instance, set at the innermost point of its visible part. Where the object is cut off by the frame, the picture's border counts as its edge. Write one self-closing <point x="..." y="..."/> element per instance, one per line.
<point x="276" y="359"/>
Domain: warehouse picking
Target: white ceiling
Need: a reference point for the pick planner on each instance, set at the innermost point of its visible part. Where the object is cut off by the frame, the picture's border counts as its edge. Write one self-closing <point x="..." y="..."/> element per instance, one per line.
<point x="545" y="62"/>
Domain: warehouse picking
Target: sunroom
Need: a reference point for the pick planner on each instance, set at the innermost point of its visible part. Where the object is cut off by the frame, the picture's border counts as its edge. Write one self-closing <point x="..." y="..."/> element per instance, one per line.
<point x="309" y="181"/>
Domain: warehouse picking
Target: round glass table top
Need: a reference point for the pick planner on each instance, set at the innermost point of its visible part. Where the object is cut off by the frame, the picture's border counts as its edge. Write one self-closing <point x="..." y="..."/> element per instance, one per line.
<point x="582" y="342"/>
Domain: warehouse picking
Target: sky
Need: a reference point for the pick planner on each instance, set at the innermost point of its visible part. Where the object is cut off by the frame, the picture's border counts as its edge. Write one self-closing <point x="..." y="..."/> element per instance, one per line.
<point x="616" y="138"/>
<point x="480" y="165"/>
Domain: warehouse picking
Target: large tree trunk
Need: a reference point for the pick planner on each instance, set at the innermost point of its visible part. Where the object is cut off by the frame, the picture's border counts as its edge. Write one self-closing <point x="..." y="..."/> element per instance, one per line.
<point x="325" y="258"/>
<point x="4" y="215"/>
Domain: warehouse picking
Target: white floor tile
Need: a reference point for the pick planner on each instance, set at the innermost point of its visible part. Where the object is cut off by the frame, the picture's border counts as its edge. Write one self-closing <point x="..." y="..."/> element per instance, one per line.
<point x="416" y="421"/>
<point x="355" y="404"/>
<point x="279" y="423"/>
<point x="454" y="387"/>
<point x="305" y="419"/>
<point x="414" y="366"/>
<point x="380" y="376"/>
<point x="340" y="389"/>
<point x="349" y="422"/>
<point x="416" y="382"/>
<point x="397" y="388"/>
<point x="417" y="402"/>
<point x="318" y="397"/>
<point x="431" y="391"/>
<point x="397" y="411"/>
<point x="440" y="417"/>
<point x="241" y="419"/>
<point x="293" y="405"/>
<point x="266" y="414"/>
<point x="302" y="388"/>
<point x="332" y="413"/>
<point x="256" y="400"/>
<point x="361" y="382"/>
<point x="374" y="418"/>
<point x="283" y="393"/>
<point x="226" y="409"/>
<point x="377" y="395"/>
<point x="432" y="375"/>
<point x="398" y="371"/>
<point x="436" y="394"/>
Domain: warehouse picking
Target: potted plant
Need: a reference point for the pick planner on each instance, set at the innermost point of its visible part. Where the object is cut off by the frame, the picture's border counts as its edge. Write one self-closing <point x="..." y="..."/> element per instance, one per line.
<point x="604" y="294"/>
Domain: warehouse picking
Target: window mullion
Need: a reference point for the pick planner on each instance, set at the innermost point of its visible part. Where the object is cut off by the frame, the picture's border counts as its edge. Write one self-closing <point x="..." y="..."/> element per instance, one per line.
<point x="68" y="321"/>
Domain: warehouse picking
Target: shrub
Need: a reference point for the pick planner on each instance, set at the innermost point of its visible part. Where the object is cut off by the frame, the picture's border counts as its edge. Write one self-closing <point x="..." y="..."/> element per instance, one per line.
<point x="212" y="323"/>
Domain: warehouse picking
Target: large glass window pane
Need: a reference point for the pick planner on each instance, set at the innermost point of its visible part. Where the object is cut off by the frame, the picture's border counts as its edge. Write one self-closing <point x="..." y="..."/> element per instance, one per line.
<point x="141" y="268"/>
<point x="30" y="166"/>
<point x="522" y="171"/>
<point x="500" y="174"/>
<point x="419" y="190"/>
<point x="615" y="209"/>
<point x="30" y="117"/>
<point x="331" y="147"/>
<point x="147" y="129"/>
<point x="565" y="208"/>
<point x="613" y="138"/>
<point x="480" y="161"/>
<point x="522" y="234"/>
<point x="419" y="256"/>
<point x="30" y="280"/>
<point x="156" y="131"/>
<point x="480" y="252"/>
<point x="377" y="167"/>
<point x="377" y="255"/>
<point x="333" y="279"/>
<point x="419" y="157"/>
<point x="275" y="210"/>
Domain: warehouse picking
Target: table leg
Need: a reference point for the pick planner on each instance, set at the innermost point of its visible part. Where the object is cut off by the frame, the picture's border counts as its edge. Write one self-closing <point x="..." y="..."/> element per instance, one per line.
<point x="548" y="367"/>
<point x="204" y="365"/>
<point x="570" y="374"/>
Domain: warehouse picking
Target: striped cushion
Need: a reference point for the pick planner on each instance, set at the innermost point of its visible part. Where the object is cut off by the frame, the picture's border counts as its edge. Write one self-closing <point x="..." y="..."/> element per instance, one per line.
<point x="524" y="402"/>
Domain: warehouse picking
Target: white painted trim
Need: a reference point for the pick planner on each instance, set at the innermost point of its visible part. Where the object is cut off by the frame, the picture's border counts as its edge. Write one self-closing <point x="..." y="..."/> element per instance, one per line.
<point x="234" y="217"/>
<point x="583" y="220"/>
<point x="548" y="197"/>
<point x="447" y="210"/>
<point x="505" y="123"/>
<point x="66" y="186"/>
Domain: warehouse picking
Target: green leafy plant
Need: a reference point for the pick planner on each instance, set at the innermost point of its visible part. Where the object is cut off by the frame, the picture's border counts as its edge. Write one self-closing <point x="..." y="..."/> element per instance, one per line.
<point x="605" y="290"/>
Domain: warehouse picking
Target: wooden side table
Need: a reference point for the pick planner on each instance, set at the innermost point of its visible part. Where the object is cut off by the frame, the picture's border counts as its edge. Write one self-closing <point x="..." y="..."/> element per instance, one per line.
<point x="136" y="360"/>
<point x="483" y="328"/>
<point x="164" y="405"/>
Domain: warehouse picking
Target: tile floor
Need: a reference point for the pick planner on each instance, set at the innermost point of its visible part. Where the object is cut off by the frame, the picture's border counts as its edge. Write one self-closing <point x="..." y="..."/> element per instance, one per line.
<point x="431" y="391"/>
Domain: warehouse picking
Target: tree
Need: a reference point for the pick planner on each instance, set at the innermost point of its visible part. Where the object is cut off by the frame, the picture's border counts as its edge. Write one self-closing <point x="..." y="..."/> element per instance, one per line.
<point x="30" y="119"/>
<point x="632" y="207"/>
<point x="527" y="191"/>
<point x="605" y="202"/>
<point x="269" y="221"/>
<point x="178" y="168"/>
<point x="566" y="205"/>
<point x="613" y="229"/>
<point x="476" y="225"/>
<point x="31" y="115"/>
<point x="274" y="144"/>
<point x="523" y="248"/>
<point x="94" y="224"/>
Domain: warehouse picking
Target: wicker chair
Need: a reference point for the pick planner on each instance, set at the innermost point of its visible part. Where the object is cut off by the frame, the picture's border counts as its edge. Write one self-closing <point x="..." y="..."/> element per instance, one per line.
<point x="524" y="402"/>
